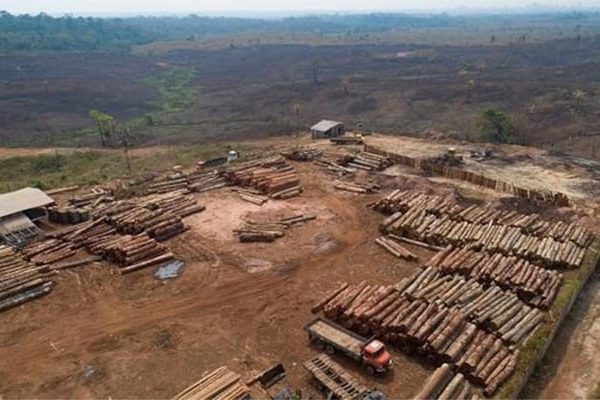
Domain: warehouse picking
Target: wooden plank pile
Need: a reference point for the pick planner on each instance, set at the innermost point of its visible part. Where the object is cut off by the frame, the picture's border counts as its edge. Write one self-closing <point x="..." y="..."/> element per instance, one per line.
<point x="366" y="161"/>
<point x="444" y="334"/>
<point x="269" y="231"/>
<point x="356" y="187"/>
<point x="273" y="176"/>
<point x="395" y="248"/>
<point x="499" y="312"/>
<point x="220" y="384"/>
<point x="445" y="384"/>
<point x="535" y="285"/>
<point x="48" y="251"/>
<point x="20" y="280"/>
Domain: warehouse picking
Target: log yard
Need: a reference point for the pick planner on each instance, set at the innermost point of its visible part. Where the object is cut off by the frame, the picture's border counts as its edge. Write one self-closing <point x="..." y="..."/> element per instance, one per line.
<point x="383" y="267"/>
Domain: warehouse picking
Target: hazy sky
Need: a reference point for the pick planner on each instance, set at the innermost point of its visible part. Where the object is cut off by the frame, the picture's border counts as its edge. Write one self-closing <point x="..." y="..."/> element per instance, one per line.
<point x="199" y="6"/>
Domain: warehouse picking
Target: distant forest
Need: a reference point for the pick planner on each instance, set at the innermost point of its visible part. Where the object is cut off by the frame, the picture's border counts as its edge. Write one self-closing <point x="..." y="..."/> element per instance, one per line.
<point x="43" y="32"/>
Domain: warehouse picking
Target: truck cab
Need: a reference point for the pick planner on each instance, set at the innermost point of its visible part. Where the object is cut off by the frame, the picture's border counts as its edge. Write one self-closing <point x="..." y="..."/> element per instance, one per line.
<point x="376" y="357"/>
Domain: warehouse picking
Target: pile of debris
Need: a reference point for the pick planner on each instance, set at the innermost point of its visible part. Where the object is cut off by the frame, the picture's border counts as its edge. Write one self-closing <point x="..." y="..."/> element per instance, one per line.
<point x="442" y="333"/>
<point x="273" y="176"/>
<point x="269" y="231"/>
<point x="221" y="384"/>
<point x="492" y="309"/>
<point x="21" y="281"/>
<point x="367" y="161"/>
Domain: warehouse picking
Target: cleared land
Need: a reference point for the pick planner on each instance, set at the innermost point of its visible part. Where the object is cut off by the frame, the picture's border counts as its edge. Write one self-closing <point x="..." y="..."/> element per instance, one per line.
<point x="237" y="304"/>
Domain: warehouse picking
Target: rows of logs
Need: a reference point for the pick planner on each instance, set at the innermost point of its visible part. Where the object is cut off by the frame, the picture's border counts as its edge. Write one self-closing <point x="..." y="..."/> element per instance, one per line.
<point x="532" y="224"/>
<point x="333" y="164"/>
<point x="47" y="251"/>
<point x="273" y="176"/>
<point x="269" y="231"/>
<point x="366" y="161"/>
<point x="20" y="280"/>
<point x="204" y="182"/>
<point x="396" y="248"/>
<point x="429" y="228"/>
<point x="444" y="384"/>
<point x="220" y="384"/>
<point x="443" y="334"/>
<point x="95" y="195"/>
<point x="252" y="196"/>
<point x="535" y="285"/>
<point x="497" y="311"/>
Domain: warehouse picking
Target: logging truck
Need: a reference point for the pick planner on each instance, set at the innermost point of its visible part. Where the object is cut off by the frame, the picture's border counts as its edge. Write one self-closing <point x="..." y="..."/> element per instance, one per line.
<point x="333" y="338"/>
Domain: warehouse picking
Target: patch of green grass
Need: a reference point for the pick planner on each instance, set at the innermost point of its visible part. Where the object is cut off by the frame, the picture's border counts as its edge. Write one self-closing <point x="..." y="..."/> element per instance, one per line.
<point x="92" y="167"/>
<point x="176" y="92"/>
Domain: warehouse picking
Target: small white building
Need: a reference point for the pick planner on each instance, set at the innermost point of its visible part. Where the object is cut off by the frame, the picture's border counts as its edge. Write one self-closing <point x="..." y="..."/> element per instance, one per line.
<point x="18" y="210"/>
<point x="327" y="129"/>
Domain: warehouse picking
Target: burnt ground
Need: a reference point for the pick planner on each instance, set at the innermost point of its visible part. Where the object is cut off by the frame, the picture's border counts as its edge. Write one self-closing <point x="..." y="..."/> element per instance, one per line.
<point x="251" y="91"/>
<point x="100" y="334"/>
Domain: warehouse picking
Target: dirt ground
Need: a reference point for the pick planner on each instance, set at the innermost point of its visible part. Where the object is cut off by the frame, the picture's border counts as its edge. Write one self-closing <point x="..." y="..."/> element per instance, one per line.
<point x="100" y="334"/>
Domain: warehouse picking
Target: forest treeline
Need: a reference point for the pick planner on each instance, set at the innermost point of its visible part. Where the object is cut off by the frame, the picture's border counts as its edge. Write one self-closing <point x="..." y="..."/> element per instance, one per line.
<point x="44" y="32"/>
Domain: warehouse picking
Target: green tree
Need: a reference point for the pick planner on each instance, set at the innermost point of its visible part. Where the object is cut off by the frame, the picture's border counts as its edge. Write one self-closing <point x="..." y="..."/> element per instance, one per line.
<point x="497" y="126"/>
<point x="106" y="125"/>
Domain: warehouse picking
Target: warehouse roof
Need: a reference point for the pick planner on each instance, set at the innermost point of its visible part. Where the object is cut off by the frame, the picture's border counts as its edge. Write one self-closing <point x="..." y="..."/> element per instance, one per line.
<point x="22" y="200"/>
<point x="325" y="125"/>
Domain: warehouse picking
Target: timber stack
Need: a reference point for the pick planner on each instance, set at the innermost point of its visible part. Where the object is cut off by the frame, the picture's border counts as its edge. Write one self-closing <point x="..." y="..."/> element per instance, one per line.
<point x="444" y="384"/>
<point x="333" y="164"/>
<point x="254" y="231"/>
<point x="494" y="310"/>
<point x="395" y="248"/>
<point x="220" y="384"/>
<point x="347" y="140"/>
<point x="302" y="154"/>
<point x="20" y="280"/>
<point x="443" y="334"/>
<point x="47" y="251"/>
<point x="356" y="187"/>
<point x="94" y="197"/>
<point x="366" y="161"/>
<point x="535" y="285"/>
<point x="199" y="182"/>
<point x="273" y="176"/>
<point x="252" y="196"/>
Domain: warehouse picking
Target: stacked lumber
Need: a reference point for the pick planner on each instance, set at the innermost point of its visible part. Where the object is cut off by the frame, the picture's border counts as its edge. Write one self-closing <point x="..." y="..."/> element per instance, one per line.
<point x="444" y="384"/>
<point x="273" y="176"/>
<point x="497" y="311"/>
<point x="366" y="161"/>
<point x="220" y="384"/>
<point x="20" y="280"/>
<point x="355" y="187"/>
<point x="269" y="231"/>
<point x="395" y="248"/>
<point x="68" y="214"/>
<point x="203" y="182"/>
<point x="47" y="251"/>
<point x="535" y="285"/>
<point x="444" y="334"/>
<point x="302" y="154"/>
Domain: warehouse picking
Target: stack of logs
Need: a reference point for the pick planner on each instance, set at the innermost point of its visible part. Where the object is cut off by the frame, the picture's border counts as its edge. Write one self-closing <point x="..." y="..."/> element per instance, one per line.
<point x="535" y="285"/>
<point x="273" y="176"/>
<point x="431" y="220"/>
<point x="499" y="312"/>
<point x="366" y="161"/>
<point x="20" y="281"/>
<point x="356" y="187"/>
<point x="205" y="181"/>
<point x="220" y="384"/>
<point x="445" y="384"/>
<point x="169" y="183"/>
<point x="252" y="196"/>
<point x="444" y="334"/>
<point x="332" y="164"/>
<point x="306" y="154"/>
<point x="47" y="251"/>
<point x="269" y="231"/>
<point x="95" y="196"/>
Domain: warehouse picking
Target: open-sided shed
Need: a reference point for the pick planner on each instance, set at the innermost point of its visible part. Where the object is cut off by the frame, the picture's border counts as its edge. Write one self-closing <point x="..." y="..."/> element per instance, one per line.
<point x="327" y="129"/>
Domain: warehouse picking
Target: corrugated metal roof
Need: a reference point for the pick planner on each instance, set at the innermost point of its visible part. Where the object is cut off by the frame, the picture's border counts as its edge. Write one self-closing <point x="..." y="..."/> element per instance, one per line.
<point x="325" y="125"/>
<point x="22" y="200"/>
<point x="15" y="223"/>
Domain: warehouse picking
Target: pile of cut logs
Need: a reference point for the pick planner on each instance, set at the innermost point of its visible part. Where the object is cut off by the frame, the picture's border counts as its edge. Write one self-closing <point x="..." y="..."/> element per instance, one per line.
<point x="205" y="181"/>
<point x="252" y="196"/>
<point x="395" y="248"/>
<point x="273" y="176"/>
<point x="20" y="281"/>
<point x="497" y="311"/>
<point x="356" y="187"/>
<point x="169" y="183"/>
<point x="429" y="228"/>
<point x="347" y="140"/>
<point x="220" y="384"/>
<point x="47" y="251"/>
<point x="302" y="154"/>
<point x="366" y="161"/>
<point x="445" y="384"/>
<point x="332" y="164"/>
<point x="442" y="333"/>
<point x="95" y="196"/>
<point x="255" y="231"/>
<point x="535" y="285"/>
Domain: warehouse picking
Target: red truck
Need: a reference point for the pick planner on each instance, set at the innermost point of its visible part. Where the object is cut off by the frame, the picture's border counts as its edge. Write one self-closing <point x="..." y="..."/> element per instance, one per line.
<point x="331" y="337"/>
